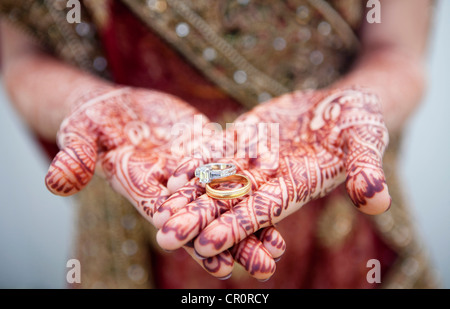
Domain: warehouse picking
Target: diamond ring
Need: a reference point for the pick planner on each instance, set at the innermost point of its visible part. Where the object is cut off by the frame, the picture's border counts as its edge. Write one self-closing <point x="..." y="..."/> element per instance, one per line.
<point x="208" y="172"/>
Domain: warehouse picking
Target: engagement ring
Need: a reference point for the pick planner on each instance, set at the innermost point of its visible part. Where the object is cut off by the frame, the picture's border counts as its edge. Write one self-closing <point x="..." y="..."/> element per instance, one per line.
<point x="212" y="171"/>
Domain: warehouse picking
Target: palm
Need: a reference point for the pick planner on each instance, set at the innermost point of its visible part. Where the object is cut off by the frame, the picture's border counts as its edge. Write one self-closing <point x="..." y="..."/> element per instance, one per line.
<point x="326" y="138"/>
<point x="124" y="134"/>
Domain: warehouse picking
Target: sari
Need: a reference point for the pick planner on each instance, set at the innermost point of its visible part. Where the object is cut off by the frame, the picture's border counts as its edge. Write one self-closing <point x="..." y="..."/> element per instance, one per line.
<point x="224" y="57"/>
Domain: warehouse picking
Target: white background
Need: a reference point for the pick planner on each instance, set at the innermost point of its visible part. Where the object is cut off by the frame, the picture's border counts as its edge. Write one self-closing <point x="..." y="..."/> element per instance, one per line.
<point x="36" y="227"/>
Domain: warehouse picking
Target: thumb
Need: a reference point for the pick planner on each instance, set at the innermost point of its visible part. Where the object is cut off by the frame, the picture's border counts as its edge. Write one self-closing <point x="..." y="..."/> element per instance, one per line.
<point x="73" y="167"/>
<point x="366" y="182"/>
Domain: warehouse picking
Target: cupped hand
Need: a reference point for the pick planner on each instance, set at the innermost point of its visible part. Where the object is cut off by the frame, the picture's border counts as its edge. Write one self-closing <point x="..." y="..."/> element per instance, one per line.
<point x="125" y="135"/>
<point x="326" y="138"/>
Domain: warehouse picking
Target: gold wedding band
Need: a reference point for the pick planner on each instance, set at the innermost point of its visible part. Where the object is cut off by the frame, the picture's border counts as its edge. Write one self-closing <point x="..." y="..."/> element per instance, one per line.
<point x="229" y="194"/>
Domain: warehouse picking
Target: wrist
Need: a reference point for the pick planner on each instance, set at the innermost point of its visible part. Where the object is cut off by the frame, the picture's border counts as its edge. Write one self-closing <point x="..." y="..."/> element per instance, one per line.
<point x="83" y="89"/>
<point x="397" y="78"/>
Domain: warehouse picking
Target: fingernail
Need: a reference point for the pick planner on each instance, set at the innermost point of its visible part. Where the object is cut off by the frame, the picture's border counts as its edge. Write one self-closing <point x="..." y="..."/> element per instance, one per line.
<point x="225" y="277"/>
<point x="390" y="204"/>
<point x="201" y="257"/>
<point x="263" y="280"/>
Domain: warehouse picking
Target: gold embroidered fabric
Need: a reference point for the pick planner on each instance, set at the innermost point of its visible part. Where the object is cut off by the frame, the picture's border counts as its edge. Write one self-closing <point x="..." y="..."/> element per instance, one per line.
<point x="255" y="50"/>
<point x="46" y="22"/>
<point x="113" y="241"/>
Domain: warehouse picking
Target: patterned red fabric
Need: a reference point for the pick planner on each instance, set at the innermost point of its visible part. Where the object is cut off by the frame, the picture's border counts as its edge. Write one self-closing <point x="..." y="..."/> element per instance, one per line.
<point x="138" y="57"/>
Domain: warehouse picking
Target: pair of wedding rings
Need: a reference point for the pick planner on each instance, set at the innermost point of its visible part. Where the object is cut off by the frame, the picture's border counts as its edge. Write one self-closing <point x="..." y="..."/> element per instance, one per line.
<point x="218" y="173"/>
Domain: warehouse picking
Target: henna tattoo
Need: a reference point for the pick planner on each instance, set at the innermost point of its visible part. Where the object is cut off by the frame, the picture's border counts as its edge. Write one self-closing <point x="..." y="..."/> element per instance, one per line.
<point x="180" y="231"/>
<point x="71" y="169"/>
<point x="326" y="138"/>
<point x="220" y="266"/>
<point x="364" y="176"/>
<point x="218" y="263"/>
<point x="125" y="133"/>
<point x="273" y="242"/>
<point x="257" y="256"/>
<point x="258" y="263"/>
<point x="193" y="217"/>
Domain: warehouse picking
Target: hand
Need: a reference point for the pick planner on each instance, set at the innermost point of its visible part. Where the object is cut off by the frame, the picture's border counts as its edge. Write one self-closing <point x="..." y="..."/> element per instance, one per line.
<point x="124" y="134"/>
<point x="326" y="138"/>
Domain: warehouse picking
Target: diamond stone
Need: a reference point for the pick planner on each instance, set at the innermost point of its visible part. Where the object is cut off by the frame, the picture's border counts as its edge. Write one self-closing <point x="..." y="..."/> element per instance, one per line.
<point x="204" y="175"/>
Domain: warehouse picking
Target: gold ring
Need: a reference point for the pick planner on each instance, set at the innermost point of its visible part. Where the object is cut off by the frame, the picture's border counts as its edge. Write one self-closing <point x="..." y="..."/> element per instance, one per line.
<point x="229" y="194"/>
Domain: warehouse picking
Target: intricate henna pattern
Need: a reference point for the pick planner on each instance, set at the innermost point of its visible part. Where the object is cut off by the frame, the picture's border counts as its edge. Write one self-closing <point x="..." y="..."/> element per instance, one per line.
<point x="326" y="138"/>
<point x="257" y="257"/>
<point x="257" y="262"/>
<point x="122" y="128"/>
<point x="273" y="242"/>
<point x="124" y="134"/>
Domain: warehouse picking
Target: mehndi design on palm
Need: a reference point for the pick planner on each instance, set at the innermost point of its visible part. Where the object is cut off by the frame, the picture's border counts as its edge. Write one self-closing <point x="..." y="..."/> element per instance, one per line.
<point x="327" y="137"/>
<point x="124" y="134"/>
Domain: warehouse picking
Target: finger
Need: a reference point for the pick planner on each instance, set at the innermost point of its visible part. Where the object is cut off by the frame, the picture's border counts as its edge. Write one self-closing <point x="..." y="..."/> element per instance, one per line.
<point x="193" y="189"/>
<point x="254" y="257"/>
<point x="73" y="167"/>
<point x="78" y="138"/>
<point x="309" y="174"/>
<point x="366" y="138"/>
<point x="262" y="209"/>
<point x="365" y="182"/>
<point x="250" y="252"/>
<point x="178" y="200"/>
<point x="190" y="220"/>
<point x="273" y="242"/>
<point x="137" y="175"/>
<point x="215" y="149"/>
<point x="219" y="266"/>
<point x="185" y="224"/>
<point x="184" y="173"/>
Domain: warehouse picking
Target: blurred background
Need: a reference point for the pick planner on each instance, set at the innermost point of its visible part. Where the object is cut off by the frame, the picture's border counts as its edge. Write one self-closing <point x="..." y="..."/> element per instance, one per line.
<point x="36" y="227"/>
